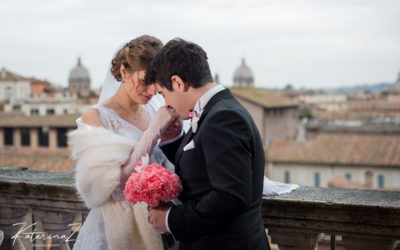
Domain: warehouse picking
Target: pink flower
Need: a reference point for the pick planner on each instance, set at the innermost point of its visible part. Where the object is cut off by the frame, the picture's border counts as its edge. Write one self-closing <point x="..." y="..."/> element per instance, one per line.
<point x="151" y="185"/>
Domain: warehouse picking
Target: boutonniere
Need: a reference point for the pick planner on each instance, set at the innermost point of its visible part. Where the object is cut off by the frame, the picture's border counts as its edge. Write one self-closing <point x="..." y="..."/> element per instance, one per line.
<point x="195" y="118"/>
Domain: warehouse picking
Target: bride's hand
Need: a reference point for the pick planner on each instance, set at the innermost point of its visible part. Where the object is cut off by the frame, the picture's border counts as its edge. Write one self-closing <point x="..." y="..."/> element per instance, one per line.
<point x="162" y="119"/>
<point x="173" y="130"/>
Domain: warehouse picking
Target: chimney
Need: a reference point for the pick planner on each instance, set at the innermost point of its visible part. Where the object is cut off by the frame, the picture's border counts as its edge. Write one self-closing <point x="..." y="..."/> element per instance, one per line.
<point x="3" y="73"/>
<point x="369" y="178"/>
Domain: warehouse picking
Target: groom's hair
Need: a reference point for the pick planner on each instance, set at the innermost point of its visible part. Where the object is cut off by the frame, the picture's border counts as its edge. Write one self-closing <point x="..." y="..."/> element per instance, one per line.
<point x="182" y="58"/>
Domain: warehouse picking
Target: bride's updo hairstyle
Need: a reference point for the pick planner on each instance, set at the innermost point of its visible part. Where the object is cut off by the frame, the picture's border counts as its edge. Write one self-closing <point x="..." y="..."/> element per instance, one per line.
<point x="135" y="55"/>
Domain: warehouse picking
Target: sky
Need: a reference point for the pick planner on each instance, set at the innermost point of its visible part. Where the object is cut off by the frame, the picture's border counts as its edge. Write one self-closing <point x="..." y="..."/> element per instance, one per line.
<point x="307" y="43"/>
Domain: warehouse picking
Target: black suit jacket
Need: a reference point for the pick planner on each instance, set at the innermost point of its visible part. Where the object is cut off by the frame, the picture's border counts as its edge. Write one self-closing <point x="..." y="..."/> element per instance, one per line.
<point x="222" y="180"/>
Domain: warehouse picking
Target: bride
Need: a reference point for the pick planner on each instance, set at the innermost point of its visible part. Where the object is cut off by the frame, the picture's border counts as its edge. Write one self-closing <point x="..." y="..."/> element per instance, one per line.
<point x="111" y="137"/>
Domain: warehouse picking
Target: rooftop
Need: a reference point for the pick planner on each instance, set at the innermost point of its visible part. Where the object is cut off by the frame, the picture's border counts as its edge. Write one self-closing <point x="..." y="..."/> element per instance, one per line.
<point x="39" y="160"/>
<point x="6" y="75"/>
<point x="340" y="149"/>
<point x="265" y="98"/>
<point x="361" y="127"/>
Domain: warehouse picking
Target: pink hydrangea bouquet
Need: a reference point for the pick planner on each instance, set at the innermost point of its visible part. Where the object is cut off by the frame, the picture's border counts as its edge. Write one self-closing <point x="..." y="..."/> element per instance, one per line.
<point x="151" y="184"/>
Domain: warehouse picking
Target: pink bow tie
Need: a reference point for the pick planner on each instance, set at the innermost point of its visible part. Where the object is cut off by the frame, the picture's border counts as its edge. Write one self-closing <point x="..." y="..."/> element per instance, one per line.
<point x="195" y="119"/>
<point x="193" y="114"/>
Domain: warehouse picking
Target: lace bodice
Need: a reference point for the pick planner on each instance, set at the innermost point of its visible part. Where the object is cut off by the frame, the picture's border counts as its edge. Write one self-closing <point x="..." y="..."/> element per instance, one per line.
<point x="113" y="121"/>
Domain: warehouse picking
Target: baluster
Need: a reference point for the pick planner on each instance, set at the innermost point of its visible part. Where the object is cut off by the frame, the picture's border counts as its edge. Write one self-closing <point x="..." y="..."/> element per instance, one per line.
<point x="57" y="225"/>
<point x="11" y="223"/>
<point x="293" y="239"/>
<point x="358" y="242"/>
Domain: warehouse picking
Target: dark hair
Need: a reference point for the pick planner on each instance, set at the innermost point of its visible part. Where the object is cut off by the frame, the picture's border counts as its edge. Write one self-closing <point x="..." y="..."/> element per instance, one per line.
<point x="182" y="58"/>
<point x="135" y="55"/>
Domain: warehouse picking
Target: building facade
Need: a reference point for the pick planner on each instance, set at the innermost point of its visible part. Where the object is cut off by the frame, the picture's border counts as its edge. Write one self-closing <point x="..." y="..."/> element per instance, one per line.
<point x="13" y="88"/>
<point x="275" y="116"/>
<point x="36" y="142"/>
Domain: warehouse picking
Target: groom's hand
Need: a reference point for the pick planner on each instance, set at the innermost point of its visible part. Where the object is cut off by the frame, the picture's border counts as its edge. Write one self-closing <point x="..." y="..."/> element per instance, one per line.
<point x="157" y="217"/>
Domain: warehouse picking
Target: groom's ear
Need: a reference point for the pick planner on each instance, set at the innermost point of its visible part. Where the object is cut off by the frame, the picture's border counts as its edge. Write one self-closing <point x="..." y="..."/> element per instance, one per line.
<point x="179" y="84"/>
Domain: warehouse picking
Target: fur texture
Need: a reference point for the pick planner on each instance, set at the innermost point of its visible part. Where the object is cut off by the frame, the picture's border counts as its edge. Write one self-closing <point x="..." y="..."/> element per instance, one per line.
<point x="100" y="153"/>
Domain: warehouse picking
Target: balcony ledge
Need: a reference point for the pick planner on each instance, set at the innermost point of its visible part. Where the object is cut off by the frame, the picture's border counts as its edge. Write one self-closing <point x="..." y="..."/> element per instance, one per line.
<point x="365" y="219"/>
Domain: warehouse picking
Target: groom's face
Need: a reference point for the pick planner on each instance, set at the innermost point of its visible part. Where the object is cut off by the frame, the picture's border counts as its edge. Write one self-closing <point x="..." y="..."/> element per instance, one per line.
<point x="176" y="99"/>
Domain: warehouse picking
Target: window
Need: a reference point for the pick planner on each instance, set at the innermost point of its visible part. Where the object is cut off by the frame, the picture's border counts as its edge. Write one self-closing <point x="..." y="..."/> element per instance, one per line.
<point x="25" y="137"/>
<point x="317" y="179"/>
<point x="381" y="181"/>
<point x="9" y="95"/>
<point x="348" y="176"/>
<point x="8" y="136"/>
<point x="34" y="111"/>
<point x="50" y="112"/>
<point x="61" y="137"/>
<point x="287" y="177"/>
<point x="43" y="137"/>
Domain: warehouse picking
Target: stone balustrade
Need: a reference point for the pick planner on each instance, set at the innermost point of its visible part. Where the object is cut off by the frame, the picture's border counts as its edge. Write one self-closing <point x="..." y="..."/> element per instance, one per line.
<point x="364" y="219"/>
<point x="30" y="200"/>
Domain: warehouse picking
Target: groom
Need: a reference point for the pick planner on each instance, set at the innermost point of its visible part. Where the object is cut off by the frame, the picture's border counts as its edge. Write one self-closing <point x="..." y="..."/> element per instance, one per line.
<point x="220" y="161"/>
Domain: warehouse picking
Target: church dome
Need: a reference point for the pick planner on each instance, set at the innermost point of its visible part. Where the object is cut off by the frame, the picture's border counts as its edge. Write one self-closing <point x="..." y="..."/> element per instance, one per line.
<point x="79" y="73"/>
<point x="79" y="80"/>
<point x="243" y="76"/>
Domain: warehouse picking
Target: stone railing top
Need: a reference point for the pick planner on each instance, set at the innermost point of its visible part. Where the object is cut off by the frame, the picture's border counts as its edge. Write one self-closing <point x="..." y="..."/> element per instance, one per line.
<point x="346" y="212"/>
<point x="328" y="197"/>
<point x="19" y="174"/>
<point x="39" y="190"/>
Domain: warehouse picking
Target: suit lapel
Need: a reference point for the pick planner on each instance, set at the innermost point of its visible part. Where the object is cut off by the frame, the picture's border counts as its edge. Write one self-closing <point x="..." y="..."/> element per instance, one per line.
<point x="224" y="94"/>
<point x="180" y="149"/>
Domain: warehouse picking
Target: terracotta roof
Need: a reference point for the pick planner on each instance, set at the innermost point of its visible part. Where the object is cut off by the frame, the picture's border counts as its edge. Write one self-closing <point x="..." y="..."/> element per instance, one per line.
<point x="10" y="76"/>
<point x="338" y="181"/>
<point x="39" y="161"/>
<point x="38" y="81"/>
<point x="342" y="182"/>
<point x="340" y="149"/>
<point x="365" y="128"/>
<point x="17" y="119"/>
<point x="263" y="97"/>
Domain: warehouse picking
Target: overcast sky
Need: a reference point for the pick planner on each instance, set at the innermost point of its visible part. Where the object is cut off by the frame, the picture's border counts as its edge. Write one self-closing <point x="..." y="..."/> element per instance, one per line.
<point x="310" y="43"/>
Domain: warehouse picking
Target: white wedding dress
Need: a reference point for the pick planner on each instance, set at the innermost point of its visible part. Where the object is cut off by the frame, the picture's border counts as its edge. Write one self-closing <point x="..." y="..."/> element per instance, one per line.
<point x="92" y="235"/>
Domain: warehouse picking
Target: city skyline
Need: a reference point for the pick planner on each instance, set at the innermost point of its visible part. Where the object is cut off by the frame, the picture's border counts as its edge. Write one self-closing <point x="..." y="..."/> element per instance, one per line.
<point x="305" y="43"/>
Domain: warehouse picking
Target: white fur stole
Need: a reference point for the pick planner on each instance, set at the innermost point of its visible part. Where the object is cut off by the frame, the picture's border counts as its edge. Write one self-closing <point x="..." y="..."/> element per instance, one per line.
<point x="100" y="153"/>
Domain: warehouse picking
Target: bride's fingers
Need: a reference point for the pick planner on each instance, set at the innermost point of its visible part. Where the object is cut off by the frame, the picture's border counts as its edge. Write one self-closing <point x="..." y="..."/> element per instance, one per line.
<point x="175" y="114"/>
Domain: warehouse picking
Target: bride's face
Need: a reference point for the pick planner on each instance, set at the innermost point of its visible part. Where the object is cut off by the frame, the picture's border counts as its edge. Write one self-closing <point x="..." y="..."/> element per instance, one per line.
<point x="136" y="89"/>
